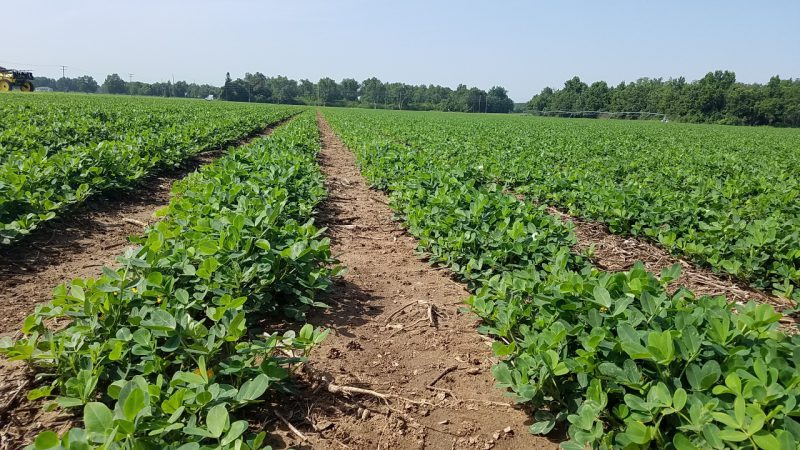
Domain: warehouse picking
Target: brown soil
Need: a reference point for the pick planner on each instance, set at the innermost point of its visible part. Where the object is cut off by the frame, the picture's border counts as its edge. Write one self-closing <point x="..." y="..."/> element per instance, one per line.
<point x="615" y="253"/>
<point x="396" y="325"/>
<point x="77" y="245"/>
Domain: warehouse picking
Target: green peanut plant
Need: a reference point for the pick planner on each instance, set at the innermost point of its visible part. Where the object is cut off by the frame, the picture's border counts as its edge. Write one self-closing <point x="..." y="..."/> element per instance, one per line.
<point x="162" y="351"/>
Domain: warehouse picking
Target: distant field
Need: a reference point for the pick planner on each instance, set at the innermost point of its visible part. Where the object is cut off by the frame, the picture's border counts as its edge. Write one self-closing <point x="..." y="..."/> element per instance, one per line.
<point x="726" y="196"/>
<point x="58" y="149"/>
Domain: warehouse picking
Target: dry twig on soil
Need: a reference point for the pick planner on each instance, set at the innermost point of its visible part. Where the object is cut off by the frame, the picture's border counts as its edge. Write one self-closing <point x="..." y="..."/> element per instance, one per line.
<point x="13" y="398"/>
<point x="291" y="427"/>
<point x="335" y="389"/>
<point x="402" y="308"/>
<point x="442" y="375"/>
<point x="134" y="221"/>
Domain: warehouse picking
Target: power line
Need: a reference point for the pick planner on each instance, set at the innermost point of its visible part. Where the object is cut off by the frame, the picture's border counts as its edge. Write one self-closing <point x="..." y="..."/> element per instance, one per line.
<point x="14" y="63"/>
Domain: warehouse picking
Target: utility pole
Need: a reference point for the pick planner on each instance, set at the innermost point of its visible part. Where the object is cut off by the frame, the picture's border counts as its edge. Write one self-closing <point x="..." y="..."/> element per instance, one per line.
<point x="64" y="77"/>
<point x="130" y="78"/>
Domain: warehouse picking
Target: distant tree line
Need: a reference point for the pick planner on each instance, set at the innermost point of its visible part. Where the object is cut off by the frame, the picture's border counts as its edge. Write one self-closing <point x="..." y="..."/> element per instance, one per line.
<point x="259" y="88"/>
<point x="370" y="93"/>
<point x="85" y="84"/>
<point x="114" y="84"/>
<point x="715" y="98"/>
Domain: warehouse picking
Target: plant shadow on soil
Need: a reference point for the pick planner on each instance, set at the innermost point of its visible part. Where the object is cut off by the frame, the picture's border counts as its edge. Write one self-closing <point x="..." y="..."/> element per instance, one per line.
<point x="348" y="306"/>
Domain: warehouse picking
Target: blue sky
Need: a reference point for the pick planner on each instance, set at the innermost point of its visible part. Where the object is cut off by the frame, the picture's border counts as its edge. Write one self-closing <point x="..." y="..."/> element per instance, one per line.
<point x="522" y="45"/>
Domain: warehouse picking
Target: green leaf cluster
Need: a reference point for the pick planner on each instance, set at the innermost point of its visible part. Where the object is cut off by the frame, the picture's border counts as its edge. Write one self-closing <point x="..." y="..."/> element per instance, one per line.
<point x="726" y="197"/>
<point x="161" y="352"/>
<point x="617" y="358"/>
<point x="58" y="150"/>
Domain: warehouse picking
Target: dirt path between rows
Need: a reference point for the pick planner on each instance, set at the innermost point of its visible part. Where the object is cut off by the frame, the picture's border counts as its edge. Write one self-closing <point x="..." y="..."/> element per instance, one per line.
<point x="75" y="246"/>
<point x="397" y="329"/>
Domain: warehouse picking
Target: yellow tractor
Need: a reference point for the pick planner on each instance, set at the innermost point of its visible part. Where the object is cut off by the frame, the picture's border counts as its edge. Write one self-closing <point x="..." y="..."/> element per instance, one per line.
<point x="20" y="78"/>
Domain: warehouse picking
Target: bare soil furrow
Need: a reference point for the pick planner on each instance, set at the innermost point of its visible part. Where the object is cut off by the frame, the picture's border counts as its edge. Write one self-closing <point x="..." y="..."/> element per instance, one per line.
<point x="398" y="329"/>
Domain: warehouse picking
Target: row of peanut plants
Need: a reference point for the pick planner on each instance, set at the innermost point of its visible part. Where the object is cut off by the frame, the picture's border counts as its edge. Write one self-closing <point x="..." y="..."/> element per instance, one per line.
<point x="58" y="150"/>
<point x="618" y="359"/>
<point x="165" y="351"/>
<point x="726" y="197"/>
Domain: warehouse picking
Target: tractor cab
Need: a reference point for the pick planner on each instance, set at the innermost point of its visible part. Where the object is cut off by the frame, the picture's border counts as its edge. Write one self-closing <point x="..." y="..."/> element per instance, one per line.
<point x="10" y="78"/>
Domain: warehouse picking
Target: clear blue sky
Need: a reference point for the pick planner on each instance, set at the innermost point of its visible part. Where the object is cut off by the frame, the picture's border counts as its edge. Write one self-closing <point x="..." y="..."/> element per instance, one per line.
<point x="522" y="45"/>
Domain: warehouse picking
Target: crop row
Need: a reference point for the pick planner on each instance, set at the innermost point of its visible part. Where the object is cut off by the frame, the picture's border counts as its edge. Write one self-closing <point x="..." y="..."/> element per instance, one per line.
<point x="727" y="197"/>
<point x="617" y="357"/>
<point x="162" y="352"/>
<point x="56" y="151"/>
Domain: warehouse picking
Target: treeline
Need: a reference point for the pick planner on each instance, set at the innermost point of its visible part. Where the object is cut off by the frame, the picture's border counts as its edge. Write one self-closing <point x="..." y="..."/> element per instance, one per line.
<point x="85" y="84"/>
<point x="370" y="93"/>
<point x="259" y="88"/>
<point x="715" y="98"/>
<point x="114" y="84"/>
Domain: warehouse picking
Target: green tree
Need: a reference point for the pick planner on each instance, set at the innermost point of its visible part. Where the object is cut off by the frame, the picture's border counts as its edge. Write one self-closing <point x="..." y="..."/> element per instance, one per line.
<point x="597" y="97"/>
<point x="66" y="85"/>
<point x="181" y="89"/>
<point x="139" y="88"/>
<point x="497" y="100"/>
<point x="711" y="90"/>
<point x="256" y="87"/>
<point x="541" y="101"/>
<point x="226" y="88"/>
<point x="349" y="88"/>
<point x="372" y="92"/>
<point x="569" y="98"/>
<point x="398" y="95"/>
<point x="741" y="106"/>
<point x="328" y="91"/>
<point x="115" y="85"/>
<point x="86" y="84"/>
<point x="307" y="90"/>
<point x="283" y="89"/>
